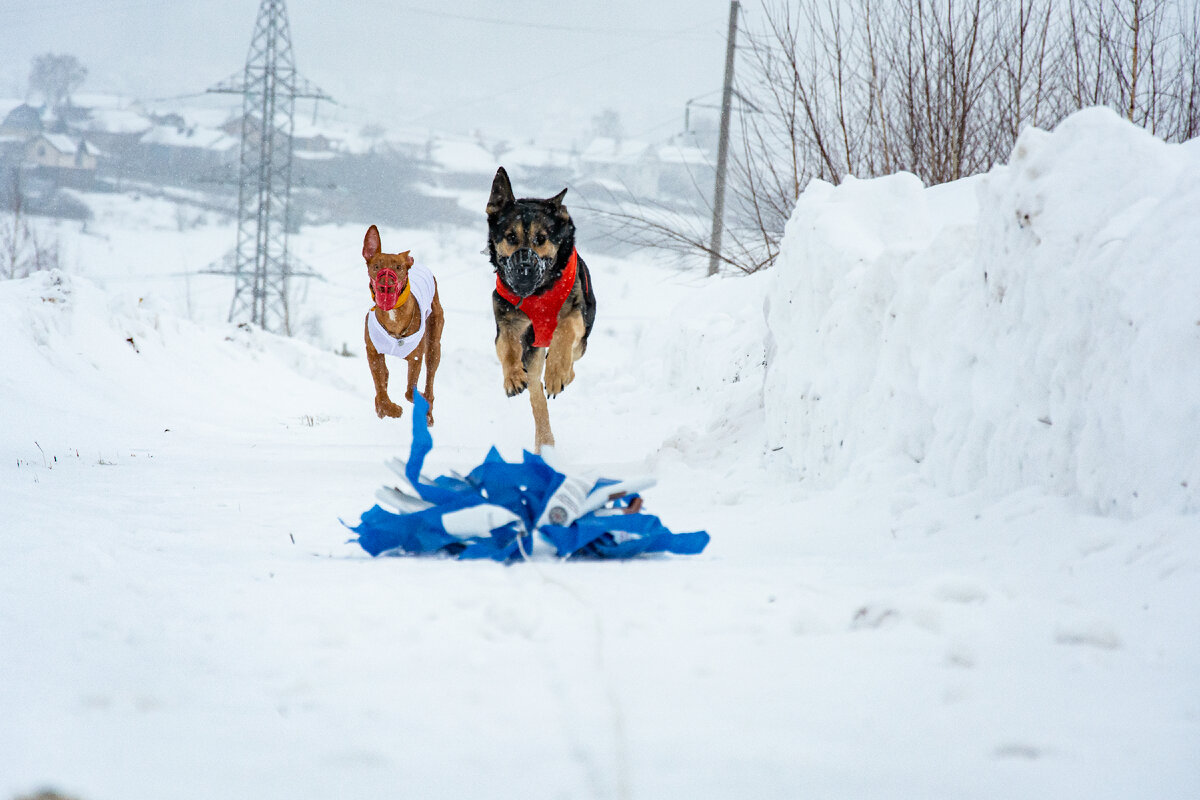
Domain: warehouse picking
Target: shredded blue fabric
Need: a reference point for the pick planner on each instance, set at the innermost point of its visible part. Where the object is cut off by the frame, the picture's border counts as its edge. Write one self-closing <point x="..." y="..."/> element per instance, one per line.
<point x="451" y="515"/>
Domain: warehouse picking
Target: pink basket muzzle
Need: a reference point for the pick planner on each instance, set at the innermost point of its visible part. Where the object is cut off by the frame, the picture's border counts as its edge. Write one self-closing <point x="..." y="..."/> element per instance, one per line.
<point x="387" y="287"/>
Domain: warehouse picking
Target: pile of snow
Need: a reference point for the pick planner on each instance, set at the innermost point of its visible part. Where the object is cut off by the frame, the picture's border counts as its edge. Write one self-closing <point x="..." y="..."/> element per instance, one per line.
<point x="176" y="589"/>
<point x="85" y="366"/>
<point x="1035" y="326"/>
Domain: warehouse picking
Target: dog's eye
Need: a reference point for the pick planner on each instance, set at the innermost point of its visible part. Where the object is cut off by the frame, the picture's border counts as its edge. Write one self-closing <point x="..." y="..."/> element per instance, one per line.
<point x="540" y="239"/>
<point x="511" y="238"/>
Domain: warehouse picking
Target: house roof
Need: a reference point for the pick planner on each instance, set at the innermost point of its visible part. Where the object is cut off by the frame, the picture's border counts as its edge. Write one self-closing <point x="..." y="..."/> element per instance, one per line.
<point x="203" y="138"/>
<point x="606" y="150"/>
<point x="536" y="157"/>
<point x="463" y="156"/>
<point x="673" y="153"/>
<point x="61" y="142"/>
<point x="23" y="118"/>
<point x="118" y="120"/>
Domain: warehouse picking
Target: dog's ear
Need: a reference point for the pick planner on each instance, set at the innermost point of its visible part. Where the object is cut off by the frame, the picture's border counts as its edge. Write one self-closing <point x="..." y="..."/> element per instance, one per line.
<point x="502" y="193"/>
<point x="408" y="260"/>
<point x="371" y="245"/>
<point x="557" y="207"/>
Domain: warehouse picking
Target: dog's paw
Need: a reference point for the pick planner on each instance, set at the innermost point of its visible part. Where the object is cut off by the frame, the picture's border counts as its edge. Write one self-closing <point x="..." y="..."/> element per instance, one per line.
<point x="515" y="382"/>
<point x="386" y="408"/>
<point x="558" y="379"/>
<point x="429" y="419"/>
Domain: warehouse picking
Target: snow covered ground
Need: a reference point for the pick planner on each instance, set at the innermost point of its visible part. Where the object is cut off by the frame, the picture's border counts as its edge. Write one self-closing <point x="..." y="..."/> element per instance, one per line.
<point x="929" y="575"/>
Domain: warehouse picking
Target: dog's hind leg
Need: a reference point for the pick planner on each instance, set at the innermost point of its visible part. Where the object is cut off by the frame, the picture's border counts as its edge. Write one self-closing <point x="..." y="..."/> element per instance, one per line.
<point x="537" y="399"/>
<point x="433" y="351"/>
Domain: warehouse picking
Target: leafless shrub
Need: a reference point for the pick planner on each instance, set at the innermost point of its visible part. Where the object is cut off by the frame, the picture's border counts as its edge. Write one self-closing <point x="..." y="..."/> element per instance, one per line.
<point x="938" y="88"/>
<point x="23" y="249"/>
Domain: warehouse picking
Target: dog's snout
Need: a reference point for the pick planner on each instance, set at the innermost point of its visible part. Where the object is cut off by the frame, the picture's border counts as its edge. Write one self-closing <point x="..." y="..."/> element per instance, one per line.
<point x="526" y="259"/>
<point x="524" y="271"/>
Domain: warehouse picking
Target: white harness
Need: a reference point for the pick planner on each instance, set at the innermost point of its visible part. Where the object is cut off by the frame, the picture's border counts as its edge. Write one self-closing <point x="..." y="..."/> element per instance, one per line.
<point x="423" y="286"/>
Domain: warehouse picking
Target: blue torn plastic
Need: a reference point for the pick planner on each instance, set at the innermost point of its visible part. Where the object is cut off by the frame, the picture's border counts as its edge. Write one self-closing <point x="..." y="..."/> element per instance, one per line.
<point x="494" y="511"/>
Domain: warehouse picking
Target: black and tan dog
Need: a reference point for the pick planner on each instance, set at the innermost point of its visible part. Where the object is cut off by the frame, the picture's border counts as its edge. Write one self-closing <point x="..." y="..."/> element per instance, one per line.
<point x="543" y="302"/>
<point x="405" y="321"/>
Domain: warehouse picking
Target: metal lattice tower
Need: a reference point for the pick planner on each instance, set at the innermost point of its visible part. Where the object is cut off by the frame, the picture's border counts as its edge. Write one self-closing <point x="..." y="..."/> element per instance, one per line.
<point x="269" y="87"/>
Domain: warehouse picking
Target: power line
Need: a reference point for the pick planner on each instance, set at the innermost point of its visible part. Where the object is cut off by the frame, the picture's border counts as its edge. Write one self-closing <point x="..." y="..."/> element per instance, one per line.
<point x="574" y="68"/>
<point x="269" y="87"/>
<point x="527" y="24"/>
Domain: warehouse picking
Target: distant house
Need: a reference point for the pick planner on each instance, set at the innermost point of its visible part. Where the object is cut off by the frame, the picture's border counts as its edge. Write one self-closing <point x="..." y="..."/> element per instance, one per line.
<point x="65" y="161"/>
<point x="24" y="120"/>
<point x="462" y="163"/>
<point x="538" y="170"/>
<point x="59" y="151"/>
<point x="12" y="149"/>
<point x="633" y="165"/>
<point x="179" y="155"/>
<point x="117" y="131"/>
<point x="686" y="169"/>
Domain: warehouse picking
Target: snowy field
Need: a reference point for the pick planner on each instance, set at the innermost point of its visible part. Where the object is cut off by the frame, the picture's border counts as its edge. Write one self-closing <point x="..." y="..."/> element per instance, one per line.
<point x="948" y="451"/>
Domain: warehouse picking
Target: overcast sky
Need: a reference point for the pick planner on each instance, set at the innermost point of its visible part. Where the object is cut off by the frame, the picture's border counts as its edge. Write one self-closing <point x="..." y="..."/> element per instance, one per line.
<point x="535" y="68"/>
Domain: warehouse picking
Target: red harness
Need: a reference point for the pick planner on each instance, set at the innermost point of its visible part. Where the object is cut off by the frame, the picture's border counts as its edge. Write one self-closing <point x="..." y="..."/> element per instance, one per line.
<point x="542" y="309"/>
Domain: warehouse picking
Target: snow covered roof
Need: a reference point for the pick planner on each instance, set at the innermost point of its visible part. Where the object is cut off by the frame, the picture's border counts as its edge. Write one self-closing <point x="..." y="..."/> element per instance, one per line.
<point x="534" y="157"/>
<point x="61" y="142"/>
<point x="118" y="120"/>
<point x="97" y="101"/>
<point x="463" y="156"/>
<point x="606" y="150"/>
<point x="24" y="118"/>
<point x="203" y="138"/>
<point x="690" y="155"/>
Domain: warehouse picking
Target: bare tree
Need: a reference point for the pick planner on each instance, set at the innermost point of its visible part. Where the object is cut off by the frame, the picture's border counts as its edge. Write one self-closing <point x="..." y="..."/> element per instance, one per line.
<point x="1184" y="86"/>
<point x="23" y="250"/>
<point x="1138" y="57"/>
<point x="56" y="77"/>
<point x="939" y="88"/>
<point x="607" y="124"/>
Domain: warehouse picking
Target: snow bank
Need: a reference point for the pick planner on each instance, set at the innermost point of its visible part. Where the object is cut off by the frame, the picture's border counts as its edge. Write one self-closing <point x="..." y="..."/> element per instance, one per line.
<point x="1035" y="326"/>
<point x="82" y="367"/>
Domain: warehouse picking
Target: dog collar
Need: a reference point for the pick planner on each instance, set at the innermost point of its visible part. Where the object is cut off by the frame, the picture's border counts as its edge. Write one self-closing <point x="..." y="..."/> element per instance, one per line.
<point x="405" y="293"/>
<point x="542" y="309"/>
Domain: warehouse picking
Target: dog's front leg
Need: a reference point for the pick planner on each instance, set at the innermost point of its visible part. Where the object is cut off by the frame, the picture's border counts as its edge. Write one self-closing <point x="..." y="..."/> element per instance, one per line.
<point x="508" y="349"/>
<point x="560" y="361"/>
<point x="384" y="407"/>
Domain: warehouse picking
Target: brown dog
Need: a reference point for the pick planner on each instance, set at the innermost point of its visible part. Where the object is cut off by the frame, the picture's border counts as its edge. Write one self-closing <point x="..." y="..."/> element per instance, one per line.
<point x="405" y="321"/>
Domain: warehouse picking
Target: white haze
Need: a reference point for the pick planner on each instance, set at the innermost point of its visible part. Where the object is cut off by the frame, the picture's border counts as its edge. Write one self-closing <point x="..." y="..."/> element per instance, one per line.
<point x="534" y="69"/>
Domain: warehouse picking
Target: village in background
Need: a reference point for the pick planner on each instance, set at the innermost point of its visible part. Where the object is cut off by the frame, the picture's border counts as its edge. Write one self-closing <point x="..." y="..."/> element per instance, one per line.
<point x="343" y="171"/>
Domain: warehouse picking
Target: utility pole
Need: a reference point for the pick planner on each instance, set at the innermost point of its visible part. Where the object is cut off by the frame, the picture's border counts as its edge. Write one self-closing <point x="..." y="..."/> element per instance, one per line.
<point x="269" y="87"/>
<point x="718" y="223"/>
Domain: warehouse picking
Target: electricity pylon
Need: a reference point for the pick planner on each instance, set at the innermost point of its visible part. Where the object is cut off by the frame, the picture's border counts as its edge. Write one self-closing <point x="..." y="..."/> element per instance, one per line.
<point x="269" y="87"/>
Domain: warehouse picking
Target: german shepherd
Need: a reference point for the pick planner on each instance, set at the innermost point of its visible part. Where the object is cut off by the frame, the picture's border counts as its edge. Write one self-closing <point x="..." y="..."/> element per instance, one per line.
<point x="543" y="301"/>
<point x="405" y="321"/>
